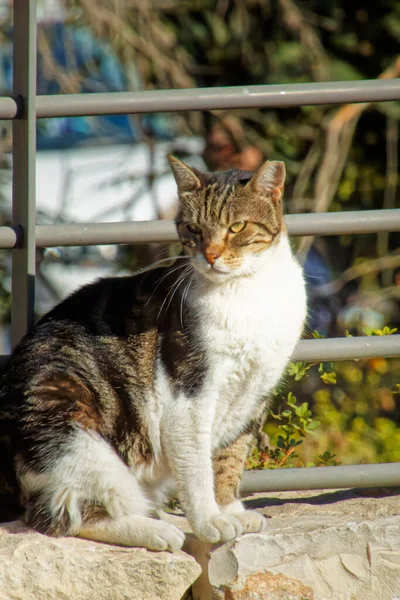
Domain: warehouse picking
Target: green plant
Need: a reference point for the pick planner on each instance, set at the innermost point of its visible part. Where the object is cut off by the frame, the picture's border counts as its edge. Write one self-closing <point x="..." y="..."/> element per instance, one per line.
<point x="351" y="414"/>
<point x="295" y="423"/>
<point x="384" y="331"/>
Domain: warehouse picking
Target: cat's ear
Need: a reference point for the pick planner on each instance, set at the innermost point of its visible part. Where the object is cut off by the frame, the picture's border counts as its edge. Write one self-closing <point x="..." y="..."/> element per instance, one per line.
<point x="186" y="178"/>
<point x="270" y="178"/>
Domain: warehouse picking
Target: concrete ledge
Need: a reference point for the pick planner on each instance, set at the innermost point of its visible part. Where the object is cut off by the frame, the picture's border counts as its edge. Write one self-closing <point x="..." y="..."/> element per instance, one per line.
<point x="34" y="566"/>
<point x="330" y="545"/>
<point x="336" y="545"/>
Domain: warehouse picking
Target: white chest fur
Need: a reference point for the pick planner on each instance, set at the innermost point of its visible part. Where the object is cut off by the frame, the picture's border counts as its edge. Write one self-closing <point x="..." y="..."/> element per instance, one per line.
<point x="249" y="327"/>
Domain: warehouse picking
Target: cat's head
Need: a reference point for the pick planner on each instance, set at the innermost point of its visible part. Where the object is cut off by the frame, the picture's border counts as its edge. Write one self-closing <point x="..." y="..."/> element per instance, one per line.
<point x="228" y="221"/>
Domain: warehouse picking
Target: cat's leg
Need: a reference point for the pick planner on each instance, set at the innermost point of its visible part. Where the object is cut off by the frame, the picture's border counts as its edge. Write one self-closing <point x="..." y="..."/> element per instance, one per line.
<point x="87" y="491"/>
<point x="228" y="470"/>
<point x="134" y="531"/>
<point x="187" y="439"/>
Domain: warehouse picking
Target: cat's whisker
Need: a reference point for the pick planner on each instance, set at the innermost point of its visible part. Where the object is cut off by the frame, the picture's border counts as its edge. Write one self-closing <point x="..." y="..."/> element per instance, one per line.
<point x="181" y="266"/>
<point x="158" y="262"/>
<point x="184" y="296"/>
<point x="161" y="279"/>
<point x="167" y="249"/>
<point x="180" y="280"/>
<point x="173" y="289"/>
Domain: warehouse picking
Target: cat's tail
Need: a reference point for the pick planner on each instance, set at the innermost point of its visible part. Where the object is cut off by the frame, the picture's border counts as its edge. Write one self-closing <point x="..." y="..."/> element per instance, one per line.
<point x="10" y="507"/>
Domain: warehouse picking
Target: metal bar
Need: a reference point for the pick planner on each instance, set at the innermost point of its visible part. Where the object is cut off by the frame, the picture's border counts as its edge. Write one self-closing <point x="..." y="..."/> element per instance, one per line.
<point x="262" y="96"/>
<point x="11" y="237"/>
<point x="335" y="349"/>
<point x="347" y="348"/>
<point x="24" y="151"/>
<point x="138" y="232"/>
<point x="338" y="223"/>
<point x="9" y="108"/>
<point x="317" y="478"/>
<point x="86" y="234"/>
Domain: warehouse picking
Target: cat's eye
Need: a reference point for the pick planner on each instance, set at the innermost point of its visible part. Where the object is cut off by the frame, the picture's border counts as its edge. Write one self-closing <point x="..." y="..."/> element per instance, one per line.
<point x="194" y="228"/>
<point x="238" y="227"/>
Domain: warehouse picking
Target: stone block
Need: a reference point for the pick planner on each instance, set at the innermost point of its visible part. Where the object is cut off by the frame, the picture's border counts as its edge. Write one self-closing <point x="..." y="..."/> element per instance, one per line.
<point x="38" y="567"/>
<point x="340" y="545"/>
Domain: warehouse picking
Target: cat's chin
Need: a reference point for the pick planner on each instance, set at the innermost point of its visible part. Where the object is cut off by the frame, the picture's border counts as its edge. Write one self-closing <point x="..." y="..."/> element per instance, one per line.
<point x="219" y="275"/>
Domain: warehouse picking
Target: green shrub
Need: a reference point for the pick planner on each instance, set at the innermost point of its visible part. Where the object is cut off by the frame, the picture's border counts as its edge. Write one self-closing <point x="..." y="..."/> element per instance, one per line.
<point x="348" y="412"/>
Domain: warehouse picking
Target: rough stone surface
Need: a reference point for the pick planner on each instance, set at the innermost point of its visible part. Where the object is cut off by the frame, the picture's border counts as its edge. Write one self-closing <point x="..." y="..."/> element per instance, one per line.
<point x="34" y="566"/>
<point x="340" y="545"/>
<point x="265" y="586"/>
<point x="330" y="545"/>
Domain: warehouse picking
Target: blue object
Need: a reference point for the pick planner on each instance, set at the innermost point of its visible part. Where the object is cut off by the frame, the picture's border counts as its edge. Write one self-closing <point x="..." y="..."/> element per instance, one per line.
<point x="75" y="50"/>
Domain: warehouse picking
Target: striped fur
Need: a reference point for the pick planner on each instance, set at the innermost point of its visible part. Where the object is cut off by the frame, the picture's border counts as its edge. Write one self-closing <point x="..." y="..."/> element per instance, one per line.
<point x="134" y="382"/>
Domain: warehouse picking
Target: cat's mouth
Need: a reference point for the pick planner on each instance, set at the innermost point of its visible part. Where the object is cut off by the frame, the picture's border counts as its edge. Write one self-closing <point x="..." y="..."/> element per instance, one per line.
<point x="215" y="272"/>
<point x="218" y="269"/>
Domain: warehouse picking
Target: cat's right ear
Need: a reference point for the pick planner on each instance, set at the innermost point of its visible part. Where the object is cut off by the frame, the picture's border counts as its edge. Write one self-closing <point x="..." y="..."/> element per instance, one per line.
<point x="270" y="178"/>
<point x="186" y="178"/>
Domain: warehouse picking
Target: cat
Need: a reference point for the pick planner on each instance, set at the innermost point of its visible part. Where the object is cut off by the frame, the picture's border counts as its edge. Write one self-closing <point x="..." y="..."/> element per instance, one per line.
<point x="132" y="382"/>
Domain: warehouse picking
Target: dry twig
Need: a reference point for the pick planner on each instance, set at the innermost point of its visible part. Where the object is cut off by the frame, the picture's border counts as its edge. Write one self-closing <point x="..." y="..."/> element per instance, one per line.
<point x="365" y="268"/>
<point x="339" y="136"/>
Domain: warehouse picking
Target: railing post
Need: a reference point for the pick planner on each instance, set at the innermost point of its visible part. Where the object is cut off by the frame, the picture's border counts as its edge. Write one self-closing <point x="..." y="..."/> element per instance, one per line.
<point x="24" y="166"/>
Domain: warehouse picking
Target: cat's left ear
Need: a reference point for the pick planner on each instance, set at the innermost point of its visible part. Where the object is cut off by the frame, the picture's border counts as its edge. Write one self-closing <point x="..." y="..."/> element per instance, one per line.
<point x="270" y="178"/>
<point x="186" y="178"/>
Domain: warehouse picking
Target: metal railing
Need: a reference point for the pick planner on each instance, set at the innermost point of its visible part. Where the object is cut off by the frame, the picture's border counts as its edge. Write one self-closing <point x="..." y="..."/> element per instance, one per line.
<point x="24" y="236"/>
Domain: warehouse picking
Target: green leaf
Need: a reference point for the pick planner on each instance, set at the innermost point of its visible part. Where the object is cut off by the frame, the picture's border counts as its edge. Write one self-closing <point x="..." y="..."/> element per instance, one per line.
<point x="317" y="335"/>
<point x="286" y="428"/>
<point x="343" y="70"/>
<point x="298" y="370"/>
<point x="302" y="409"/>
<point x="218" y="27"/>
<point x="280" y="442"/>
<point x="329" y="378"/>
<point x="385" y="331"/>
<point x="286" y="413"/>
<point x="296" y="443"/>
<point x="313" y="425"/>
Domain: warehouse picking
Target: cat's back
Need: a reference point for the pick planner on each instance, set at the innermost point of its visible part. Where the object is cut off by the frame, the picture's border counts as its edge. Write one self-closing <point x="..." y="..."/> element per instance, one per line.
<point x="98" y="326"/>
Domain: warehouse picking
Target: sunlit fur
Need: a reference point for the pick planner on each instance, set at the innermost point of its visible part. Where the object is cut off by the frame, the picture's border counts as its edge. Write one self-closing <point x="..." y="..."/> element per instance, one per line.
<point x="133" y="382"/>
<point x="215" y="202"/>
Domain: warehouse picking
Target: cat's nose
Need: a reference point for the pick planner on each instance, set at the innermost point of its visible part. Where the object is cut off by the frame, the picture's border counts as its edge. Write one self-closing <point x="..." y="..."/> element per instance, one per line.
<point x="211" y="257"/>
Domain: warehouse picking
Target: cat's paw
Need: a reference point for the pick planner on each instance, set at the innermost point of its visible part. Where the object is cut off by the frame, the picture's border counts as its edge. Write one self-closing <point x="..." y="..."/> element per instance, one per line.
<point x="252" y="521"/>
<point x="220" y="528"/>
<point x="163" y="536"/>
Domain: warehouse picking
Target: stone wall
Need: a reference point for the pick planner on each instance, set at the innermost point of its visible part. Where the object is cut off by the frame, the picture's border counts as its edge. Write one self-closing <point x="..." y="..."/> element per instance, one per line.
<point x="330" y="545"/>
<point x="37" y="567"/>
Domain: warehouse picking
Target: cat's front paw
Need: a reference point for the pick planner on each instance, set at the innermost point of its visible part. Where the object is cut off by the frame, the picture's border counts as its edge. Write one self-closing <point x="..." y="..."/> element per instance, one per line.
<point x="220" y="528"/>
<point x="163" y="536"/>
<point x="252" y="521"/>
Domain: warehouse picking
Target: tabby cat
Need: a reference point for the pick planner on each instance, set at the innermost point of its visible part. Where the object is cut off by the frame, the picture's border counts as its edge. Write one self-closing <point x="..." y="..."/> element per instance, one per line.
<point x="132" y="382"/>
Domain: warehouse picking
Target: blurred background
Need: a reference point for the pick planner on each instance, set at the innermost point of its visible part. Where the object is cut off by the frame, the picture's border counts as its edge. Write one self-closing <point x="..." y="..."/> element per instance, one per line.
<point x="337" y="158"/>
